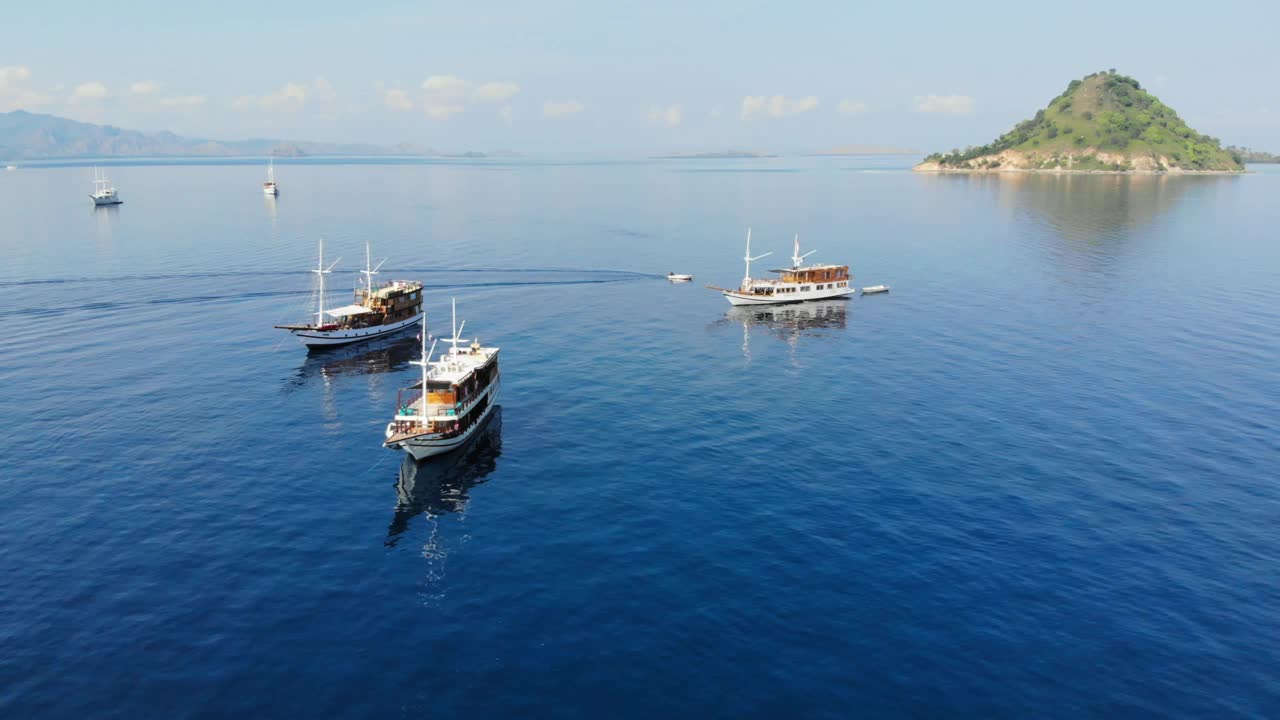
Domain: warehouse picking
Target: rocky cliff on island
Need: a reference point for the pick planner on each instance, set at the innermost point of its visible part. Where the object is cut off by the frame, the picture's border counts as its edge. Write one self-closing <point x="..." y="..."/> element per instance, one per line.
<point x="1105" y="122"/>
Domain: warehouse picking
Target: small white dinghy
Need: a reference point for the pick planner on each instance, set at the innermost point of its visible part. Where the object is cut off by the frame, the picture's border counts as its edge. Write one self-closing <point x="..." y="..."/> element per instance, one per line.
<point x="676" y="277"/>
<point x="872" y="290"/>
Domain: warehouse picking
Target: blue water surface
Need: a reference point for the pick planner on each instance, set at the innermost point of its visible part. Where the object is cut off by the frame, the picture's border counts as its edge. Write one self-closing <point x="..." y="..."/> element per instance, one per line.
<point x="1040" y="478"/>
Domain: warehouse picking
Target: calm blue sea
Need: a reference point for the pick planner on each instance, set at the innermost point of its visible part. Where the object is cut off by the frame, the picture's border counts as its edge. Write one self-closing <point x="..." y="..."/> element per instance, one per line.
<point x="1040" y="478"/>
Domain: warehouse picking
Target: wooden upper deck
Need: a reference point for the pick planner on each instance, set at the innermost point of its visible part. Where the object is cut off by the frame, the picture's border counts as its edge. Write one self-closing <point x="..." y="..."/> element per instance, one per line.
<point x="814" y="274"/>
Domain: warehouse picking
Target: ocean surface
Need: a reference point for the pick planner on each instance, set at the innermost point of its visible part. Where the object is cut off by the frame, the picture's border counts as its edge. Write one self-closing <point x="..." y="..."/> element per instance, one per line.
<point x="1039" y="478"/>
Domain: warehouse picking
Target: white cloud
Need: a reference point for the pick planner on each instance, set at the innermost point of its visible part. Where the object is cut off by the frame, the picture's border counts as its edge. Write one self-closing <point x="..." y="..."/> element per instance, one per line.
<point x="145" y="87"/>
<point x="445" y="85"/>
<point x="291" y="96"/>
<point x="562" y="108"/>
<point x="13" y="76"/>
<point x="322" y="90"/>
<point x="946" y="104"/>
<point x="16" y="93"/>
<point x="669" y="116"/>
<point x="183" y="101"/>
<point x="446" y="95"/>
<point x="777" y="106"/>
<point x="89" y="92"/>
<point x="397" y="99"/>
<point x="443" y="110"/>
<point x="850" y="108"/>
<point x="496" y="91"/>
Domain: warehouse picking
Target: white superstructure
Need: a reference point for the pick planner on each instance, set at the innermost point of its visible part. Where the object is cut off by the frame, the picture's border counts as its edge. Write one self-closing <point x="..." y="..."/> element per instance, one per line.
<point x="797" y="283"/>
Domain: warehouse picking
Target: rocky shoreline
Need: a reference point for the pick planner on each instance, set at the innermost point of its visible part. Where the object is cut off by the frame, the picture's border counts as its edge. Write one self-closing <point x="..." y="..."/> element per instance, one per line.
<point x="1090" y="160"/>
<point x="934" y="168"/>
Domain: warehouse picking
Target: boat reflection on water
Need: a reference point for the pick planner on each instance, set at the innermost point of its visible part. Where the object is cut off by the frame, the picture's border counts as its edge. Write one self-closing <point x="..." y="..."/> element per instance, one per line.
<point x="440" y="485"/>
<point x="375" y="357"/>
<point x="788" y="323"/>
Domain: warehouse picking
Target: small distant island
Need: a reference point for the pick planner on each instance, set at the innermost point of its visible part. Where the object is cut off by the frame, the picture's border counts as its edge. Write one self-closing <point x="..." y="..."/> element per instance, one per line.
<point x="1104" y="122"/>
<point x="720" y="155"/>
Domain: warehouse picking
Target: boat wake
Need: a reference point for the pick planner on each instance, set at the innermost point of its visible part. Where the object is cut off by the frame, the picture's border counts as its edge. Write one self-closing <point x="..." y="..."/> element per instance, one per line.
<point x="626" y="275"/>
<point x="130" y="296"/>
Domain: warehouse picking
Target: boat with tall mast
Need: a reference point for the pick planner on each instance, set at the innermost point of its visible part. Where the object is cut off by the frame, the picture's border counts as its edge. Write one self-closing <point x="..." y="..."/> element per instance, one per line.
<point x="378" y="311"/>
<point x="798" y="283"/>
<point x="269" y="187"/>
<point x="104" y="193"/>
<point x="452" y="399"/>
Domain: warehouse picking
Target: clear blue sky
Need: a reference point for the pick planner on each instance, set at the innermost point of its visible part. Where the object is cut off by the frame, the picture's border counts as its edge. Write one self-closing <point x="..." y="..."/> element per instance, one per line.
<point x="555" y="75"/>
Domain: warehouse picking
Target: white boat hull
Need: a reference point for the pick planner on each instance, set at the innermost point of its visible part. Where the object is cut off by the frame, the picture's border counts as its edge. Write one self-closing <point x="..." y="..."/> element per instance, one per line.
<point x="425" y="446"/>
<point x="327" y="338"/>
<point x="739" y="298"/>
<point x="269" y="191"/>
<point x="108" y="200"/>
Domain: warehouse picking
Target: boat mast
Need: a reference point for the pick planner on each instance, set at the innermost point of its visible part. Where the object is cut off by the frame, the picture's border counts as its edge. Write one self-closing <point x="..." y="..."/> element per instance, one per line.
<point x="425" y="362"/>
<point x="796" y="257"/>
<point x="746" y="279"/>
<point x="271" y="170"/>
<point x="320" y="272"/>
<point x="457" y="329"/>
<point x="369" y="271"/>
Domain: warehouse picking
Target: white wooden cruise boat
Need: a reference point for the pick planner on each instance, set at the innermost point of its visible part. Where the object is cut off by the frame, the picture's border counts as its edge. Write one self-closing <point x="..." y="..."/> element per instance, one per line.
<point x="104" y="193"/>
<point x="269" y="187"/>
<point x="378" y="311"/>
<point x="453" y="398"/>
<point x="798" y="283"/>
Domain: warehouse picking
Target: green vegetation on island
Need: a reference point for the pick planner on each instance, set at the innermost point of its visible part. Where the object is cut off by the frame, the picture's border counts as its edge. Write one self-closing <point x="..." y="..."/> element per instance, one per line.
<point x="1104" y="122"/>
<point x="1250" y="155"/>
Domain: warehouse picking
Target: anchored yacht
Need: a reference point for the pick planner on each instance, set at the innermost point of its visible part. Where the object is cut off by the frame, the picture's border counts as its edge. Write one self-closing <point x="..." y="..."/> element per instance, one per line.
<point x="104" y="193"/>
<point x="379" y="310"/>
<point x="269" y="187"/>
<point x="454" y="397"/>
<point x="797" y="283"/>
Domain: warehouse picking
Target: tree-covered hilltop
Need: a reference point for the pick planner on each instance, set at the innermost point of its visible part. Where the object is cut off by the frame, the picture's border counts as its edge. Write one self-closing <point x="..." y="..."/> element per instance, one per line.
<point x="1105" y="121"/>
<point x="1249" y="155"/>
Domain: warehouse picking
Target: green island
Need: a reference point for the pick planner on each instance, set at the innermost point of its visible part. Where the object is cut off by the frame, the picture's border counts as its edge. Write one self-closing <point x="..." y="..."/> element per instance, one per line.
<point x="1254" y="156"/>
<point x="1104" y="122"/>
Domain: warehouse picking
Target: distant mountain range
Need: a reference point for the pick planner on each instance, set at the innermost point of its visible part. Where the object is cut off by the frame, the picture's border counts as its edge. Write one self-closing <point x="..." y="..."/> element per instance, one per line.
<point x="29" y="136"/>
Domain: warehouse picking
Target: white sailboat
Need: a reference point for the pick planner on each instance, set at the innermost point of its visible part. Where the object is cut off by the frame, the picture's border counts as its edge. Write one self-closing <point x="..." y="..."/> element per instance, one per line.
<point x="269" y="187"/>
<point x="104" y="193"/>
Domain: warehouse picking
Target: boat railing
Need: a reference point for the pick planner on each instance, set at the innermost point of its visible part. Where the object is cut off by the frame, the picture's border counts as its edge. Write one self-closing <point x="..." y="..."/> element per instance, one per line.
<point x="409" y="405"/>
<point x="405" y="402"/>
